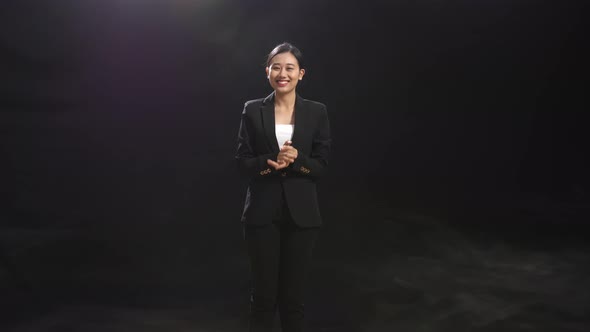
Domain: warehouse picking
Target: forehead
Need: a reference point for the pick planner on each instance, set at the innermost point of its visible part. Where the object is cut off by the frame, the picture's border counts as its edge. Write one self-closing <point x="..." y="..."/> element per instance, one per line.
<point x="284" y="59"/>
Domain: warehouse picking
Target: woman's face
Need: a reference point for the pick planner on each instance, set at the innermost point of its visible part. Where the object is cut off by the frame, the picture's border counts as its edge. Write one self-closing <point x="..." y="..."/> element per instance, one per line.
<point x="283" y="72"/>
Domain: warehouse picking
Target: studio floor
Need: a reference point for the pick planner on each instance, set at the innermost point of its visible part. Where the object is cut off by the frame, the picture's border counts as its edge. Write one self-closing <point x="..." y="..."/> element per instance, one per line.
<point x="404" y="272"/>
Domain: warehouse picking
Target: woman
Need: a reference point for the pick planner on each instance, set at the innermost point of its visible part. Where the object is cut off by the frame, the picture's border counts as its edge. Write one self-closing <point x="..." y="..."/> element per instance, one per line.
<point x="283" y="146"/>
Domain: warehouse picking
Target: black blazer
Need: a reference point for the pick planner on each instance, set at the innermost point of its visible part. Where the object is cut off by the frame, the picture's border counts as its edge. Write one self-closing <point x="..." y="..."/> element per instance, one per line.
<point x="257" y="142"/>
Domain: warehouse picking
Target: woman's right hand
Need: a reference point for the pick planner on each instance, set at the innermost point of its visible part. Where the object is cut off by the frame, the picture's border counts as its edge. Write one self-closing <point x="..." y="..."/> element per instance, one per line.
<point x="286" y="156"/>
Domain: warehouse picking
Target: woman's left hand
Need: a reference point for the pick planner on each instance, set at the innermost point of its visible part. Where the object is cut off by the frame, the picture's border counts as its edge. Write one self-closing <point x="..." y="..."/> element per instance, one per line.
<point x="286" y="156"/>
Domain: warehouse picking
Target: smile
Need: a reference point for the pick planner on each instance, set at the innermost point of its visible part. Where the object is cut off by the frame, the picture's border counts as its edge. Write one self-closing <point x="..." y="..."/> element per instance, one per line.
<point x="282" y="83"/>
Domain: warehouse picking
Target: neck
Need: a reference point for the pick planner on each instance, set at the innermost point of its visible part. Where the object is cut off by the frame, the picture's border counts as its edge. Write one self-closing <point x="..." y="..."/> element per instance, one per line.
<point x="285" y="100"/>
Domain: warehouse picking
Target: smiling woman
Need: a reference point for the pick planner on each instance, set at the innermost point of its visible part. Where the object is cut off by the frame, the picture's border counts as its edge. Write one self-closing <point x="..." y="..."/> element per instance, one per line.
<point x="284" y="69"/>
<point x="283" y="147"/>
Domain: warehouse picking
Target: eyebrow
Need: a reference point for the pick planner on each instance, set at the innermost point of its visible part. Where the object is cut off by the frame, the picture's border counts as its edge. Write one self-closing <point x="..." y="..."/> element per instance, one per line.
<point x="287" y="64"/>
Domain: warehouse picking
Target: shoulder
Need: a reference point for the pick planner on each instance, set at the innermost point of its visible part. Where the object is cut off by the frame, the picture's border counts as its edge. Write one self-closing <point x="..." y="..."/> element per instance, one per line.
<point x="314" y="108"/>
<point x="252" y="105"/>
<point x="312" y="104"/>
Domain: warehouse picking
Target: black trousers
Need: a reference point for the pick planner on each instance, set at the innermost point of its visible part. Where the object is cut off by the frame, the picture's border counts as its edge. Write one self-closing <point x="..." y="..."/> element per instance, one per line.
<point x="280" y="254"/>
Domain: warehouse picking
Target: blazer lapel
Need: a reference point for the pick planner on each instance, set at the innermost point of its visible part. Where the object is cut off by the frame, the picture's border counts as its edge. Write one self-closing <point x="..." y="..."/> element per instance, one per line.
<point x="268" y="122"/>
<point x="300" y="117"/>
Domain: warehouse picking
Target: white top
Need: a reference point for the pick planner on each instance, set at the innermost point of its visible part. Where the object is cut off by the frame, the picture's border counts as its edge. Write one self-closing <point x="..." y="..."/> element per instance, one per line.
<point x="284" y="133"/>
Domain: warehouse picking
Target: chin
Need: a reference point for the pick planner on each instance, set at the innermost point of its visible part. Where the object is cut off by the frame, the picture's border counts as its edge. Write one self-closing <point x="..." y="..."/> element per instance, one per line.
<point x="286" y="89"/>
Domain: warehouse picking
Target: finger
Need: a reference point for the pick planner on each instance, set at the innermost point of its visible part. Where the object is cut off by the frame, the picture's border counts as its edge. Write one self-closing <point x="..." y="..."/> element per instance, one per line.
<point x="288" y="150"/>
<point x="281" y="165"/>
<point x="286" y="160"/>
<point x="287" y="143"/>
<point x="273" y="163"/>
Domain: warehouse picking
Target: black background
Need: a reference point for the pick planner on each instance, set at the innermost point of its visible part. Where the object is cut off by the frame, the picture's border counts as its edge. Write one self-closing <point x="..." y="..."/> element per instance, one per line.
<point x="118" y="126"/>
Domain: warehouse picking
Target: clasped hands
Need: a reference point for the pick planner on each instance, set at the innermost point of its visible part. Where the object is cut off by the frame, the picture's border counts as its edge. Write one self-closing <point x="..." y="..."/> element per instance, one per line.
<point x="286" y="157"/>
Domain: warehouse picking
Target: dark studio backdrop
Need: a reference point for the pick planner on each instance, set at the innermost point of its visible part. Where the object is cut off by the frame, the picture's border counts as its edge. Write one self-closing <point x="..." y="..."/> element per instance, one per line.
<point x="119" y="118"/>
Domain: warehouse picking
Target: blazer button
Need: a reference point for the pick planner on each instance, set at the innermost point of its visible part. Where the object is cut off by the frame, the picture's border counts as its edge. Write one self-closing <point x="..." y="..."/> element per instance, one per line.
<point x="283" y="174"/>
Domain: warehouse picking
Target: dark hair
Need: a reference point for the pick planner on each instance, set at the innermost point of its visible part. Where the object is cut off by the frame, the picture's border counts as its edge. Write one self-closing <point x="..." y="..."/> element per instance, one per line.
<point x="283" y="48"/>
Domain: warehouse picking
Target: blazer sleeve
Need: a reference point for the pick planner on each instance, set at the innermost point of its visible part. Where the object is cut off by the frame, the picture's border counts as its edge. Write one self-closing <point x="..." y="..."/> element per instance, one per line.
<point x="250" y="164"/>
<point x="316" y="163"/>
